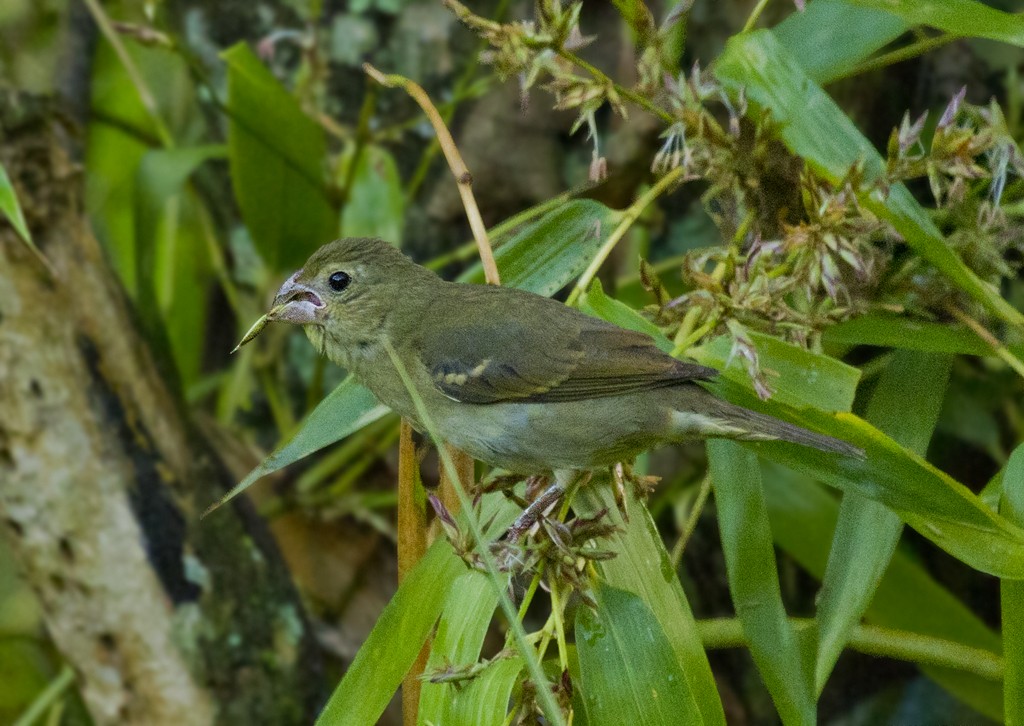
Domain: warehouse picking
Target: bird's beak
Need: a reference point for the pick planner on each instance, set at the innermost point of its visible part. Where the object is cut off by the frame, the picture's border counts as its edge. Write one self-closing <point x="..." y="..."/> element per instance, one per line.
<point x="296" y="303"/>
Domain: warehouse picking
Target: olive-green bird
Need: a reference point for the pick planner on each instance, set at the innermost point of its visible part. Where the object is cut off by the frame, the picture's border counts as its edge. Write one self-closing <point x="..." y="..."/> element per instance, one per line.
<point x="515" y="379"/>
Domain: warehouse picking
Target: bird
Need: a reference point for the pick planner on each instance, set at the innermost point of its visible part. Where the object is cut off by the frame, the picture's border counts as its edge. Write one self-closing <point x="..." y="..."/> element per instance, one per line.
<point x="517" y="380"/>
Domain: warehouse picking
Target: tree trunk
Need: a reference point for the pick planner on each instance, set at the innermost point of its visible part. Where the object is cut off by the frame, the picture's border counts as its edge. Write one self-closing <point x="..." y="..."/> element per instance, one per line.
<point x="165" y="619"/>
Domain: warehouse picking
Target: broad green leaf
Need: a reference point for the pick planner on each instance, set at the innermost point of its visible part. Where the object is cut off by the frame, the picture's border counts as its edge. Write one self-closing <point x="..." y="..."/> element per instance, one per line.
<point x="277" y="159"/>
<point x="595" y="302"/>
<point x="345" y="410"/>
<point x="10" y="208"/>
<point x="816" y="129"/>
<point x="804" y="378"/>
<point x="930" y="501"/>
<point x="754" y="579"/>
<point x="460" y="635"/>
<point x="831" y="37"/>
<point x="803" y="516"/>
<point x="548" y="254"/>
<point x="1012" y="596"/>
<point x="375" y="205"/>
<point x="484" y="702"/>
<point x="395" y="641"/>
<point x="890" y="331"/>
<point x="643" y="567"/>
<point x="905" y="405"/>
<point x="628" y="671"/>
<point x="959" y="17"/>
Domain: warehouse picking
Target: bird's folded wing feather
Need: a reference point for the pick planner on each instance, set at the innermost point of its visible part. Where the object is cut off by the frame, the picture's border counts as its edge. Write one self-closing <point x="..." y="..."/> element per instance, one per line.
<point x="567" y="356"/>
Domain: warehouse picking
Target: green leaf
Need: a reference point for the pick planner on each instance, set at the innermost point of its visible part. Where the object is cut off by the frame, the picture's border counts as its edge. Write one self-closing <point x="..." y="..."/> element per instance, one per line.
<point x="804" y="378"/>
<point x="484" y="701"/>
<point x="10" y="208"/>
<point x="1012" y="596"/>
<point x="595" y="302"/>
<point x="890" y="331"/>
<point x="930" y="501"/>
<point x="905" y="405"/>
<point x="375" y="206"/>
<point x="345" y="410"/>
<point x="803" y="516"/>
<point x="548" y="254"/>
<point x="395" y="641"/>
<point x="277" y="156"/>
<point x="831" y="37"/>
<point x="172" y="266"/>
<point x="628" y="672"/>
<point x="643" y="567"/>
<point x="816" y="129"/>
<point x="958" y="17"/>
<point x="754" y="579"/>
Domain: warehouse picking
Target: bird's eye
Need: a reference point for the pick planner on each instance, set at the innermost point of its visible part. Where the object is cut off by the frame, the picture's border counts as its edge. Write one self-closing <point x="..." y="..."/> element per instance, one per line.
<point x="339" y="281"/>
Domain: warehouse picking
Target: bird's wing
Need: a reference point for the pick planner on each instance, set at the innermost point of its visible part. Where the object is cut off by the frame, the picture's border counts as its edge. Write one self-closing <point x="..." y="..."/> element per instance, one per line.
<point x="494" y="354"/>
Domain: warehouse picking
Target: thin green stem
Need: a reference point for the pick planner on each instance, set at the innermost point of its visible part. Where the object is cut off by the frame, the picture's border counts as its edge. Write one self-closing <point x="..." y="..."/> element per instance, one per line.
<point x="877" y="641"/>
<point x="556" y="610"/>
<point x="629" y="217"/>
<point x="545" y="697"/>
<point x="530" y="592"/>
<point x="630" y="95"/>
<point x="899" y="55"/>
<point x="755" y="14"/>
<point x="47" y="697"/>
<point x="145" y="95"/>
<point x="691" y="522"/>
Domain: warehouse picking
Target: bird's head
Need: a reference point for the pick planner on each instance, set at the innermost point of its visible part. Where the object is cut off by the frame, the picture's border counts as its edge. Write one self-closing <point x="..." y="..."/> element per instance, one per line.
<point x="346" y="292"/>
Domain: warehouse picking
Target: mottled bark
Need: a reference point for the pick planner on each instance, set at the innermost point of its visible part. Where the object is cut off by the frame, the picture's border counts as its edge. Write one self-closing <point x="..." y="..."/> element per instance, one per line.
<point x="165" y="619"/>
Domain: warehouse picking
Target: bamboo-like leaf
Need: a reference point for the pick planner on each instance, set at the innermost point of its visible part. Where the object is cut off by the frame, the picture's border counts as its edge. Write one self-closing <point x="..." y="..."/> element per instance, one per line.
<point x="628" y="671"/>
<point x="930" y="501"/>
<point x="548" y="254"/>
<point x="804" y="378"/>
<point x="803" y="516"/>
<point x="959" y="17"/>
<point x="815" y="128"/>
<point x="831" y="37"/>
<point x="345" y="410"/>
<point x="754" y="579"/>
<point x="460" y="635"/>
<point x="276" y="159"/>
<point x="1012" y="596"/>
<point x="642" y="566"/>
<point x="905" y="405"/>
<point x="395" y="641"/>
<point x="484" y="702"/>
<point x="599" y="304"/>
<point x="890" y="331"/>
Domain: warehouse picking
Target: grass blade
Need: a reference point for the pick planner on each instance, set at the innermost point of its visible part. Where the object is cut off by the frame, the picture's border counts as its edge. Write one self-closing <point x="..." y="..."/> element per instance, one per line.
<point x="1012" y="596"/>
<point x="754" y="579"/>
<point x="803" y="516"/>
<point x="395" y="641"/>
<point x="890" y="331"/>
<point x="959" y="17"/>
<point x="628" y="671"/>
<point x="484" y="701"/>
<point x="905" y="405"/>
<point x="642" y="566"/>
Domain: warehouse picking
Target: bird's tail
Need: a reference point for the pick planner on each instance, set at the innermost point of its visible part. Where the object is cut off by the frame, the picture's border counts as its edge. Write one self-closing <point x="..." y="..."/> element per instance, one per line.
<point x="735" y="422"/>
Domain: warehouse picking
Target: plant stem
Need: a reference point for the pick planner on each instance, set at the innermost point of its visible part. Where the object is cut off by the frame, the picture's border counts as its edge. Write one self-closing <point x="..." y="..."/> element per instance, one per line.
<point x="463" y="178"/>
<point x="636" y="98"/>
<point x="691" y="522"/>
<point x="145" y="95"/>
<point x="997" y="347"/>
<point x="629" y="216"/>
<point x="544" y="695"/>
<point x="899" y="55"/>
<point x="877" y="641"/>
<point x="754" y="15"/>
<point x="47" y="697"/>
<point x="412" y="544"/>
